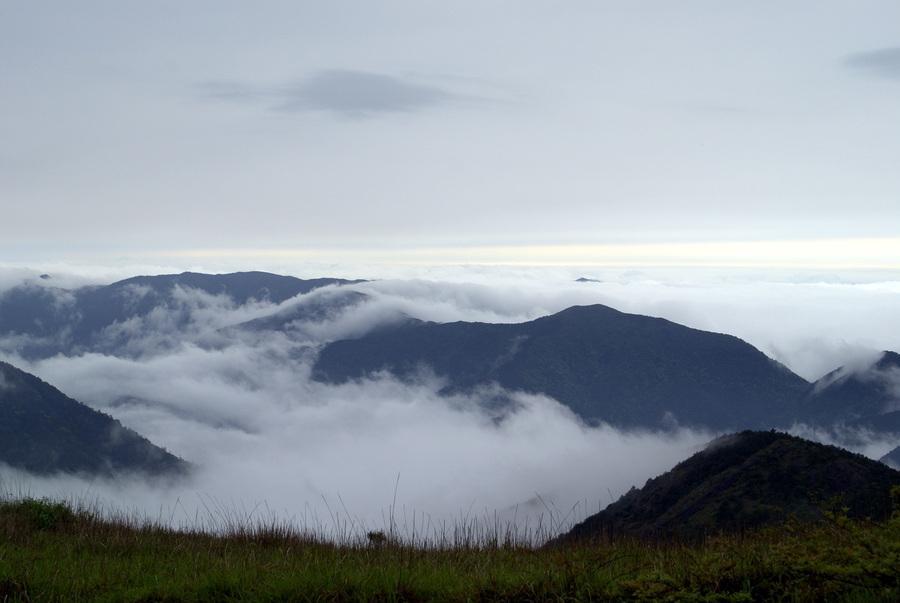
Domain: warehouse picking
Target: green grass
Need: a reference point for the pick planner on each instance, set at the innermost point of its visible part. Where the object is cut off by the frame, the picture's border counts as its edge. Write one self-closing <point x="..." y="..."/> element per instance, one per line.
<point x="49" y="552"/>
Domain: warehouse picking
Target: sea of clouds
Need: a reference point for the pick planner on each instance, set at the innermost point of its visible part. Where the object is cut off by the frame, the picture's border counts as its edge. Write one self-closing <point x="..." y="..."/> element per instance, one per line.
<point x="241" y="407"/>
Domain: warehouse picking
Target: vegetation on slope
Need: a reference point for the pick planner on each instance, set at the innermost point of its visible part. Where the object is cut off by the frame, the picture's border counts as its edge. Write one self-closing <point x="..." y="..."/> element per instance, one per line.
<point x="624" y="369"/>
<point x="44" y="431"/>
<point x="892" y="458"/>
<point x="48" y="552"/>
<point x="863" y="396"/>
<point x="42" y="321"/>
<point x="746" y="480"/>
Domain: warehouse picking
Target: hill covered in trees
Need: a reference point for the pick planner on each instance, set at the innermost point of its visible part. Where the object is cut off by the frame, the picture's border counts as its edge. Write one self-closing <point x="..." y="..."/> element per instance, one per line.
<point x="43" y="431"/>
<point x="748" y="480"/>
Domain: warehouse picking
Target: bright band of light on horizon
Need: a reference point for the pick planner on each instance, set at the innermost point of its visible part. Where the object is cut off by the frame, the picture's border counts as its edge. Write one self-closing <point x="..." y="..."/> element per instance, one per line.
<point x="823" y="253"/>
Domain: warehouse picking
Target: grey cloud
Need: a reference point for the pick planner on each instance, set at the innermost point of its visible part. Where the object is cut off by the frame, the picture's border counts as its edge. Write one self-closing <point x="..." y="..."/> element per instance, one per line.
<point x="859" y="439"/>
<point x="542" y="126"/>
<point x="19" y="277"/>
<point x="232" y="91"/>
<point x="891" y="378"/>
<point x="298" y="442"/>
<point x="360" y="93"/>
<point x="348" y="93"/>
<point x="884" y="62"/>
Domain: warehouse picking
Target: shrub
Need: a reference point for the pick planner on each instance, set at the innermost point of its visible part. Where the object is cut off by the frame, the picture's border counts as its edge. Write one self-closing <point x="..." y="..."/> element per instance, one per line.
<point x="43" y="514"/>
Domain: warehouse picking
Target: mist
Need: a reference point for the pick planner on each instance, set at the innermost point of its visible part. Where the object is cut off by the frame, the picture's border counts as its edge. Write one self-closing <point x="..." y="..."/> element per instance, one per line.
<point x="239" y="404"/>
<point x="260" y="432"/>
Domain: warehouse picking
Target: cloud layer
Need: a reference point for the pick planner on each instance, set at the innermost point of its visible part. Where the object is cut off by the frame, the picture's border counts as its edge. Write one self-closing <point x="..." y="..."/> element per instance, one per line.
<point x="884" y="62"/>
<point x="607" y="122"/>
<point x="261" y="432"/>
<point x="343" y="92"/>
<point x="241" y="406"/>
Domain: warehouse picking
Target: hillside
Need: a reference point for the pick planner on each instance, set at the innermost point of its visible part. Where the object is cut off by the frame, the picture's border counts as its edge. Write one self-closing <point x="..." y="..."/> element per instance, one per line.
<point x="866" y="396"/>
<point x="892" y="458"/>
<point x="625" y="369"/>
<point x="43" y="431"/>
<point x="313" y="309"/>
<point x="42" y="321"/>
<point x="49" y="552"/>
<point x="748" y="480"/>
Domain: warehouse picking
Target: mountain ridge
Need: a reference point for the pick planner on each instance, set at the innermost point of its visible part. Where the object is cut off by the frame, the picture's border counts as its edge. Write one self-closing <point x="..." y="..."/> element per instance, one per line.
<point x="45" y="432"/>
<point x="625" y="369"/>
<point x="629" y="370"/>
<point x="42" y="321"/>
<point x="747" y="480"/>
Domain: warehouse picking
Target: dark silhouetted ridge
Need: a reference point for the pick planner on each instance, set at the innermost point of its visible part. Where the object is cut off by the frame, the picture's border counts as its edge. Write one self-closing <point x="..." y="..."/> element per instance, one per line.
<point x="625" y="369"/>
<point x="892" y="458"/>
<point x="747" y="480"/>
<point x="868" y="397"/>
<point x="43" y="431"/>
<point x="50" y="320"/>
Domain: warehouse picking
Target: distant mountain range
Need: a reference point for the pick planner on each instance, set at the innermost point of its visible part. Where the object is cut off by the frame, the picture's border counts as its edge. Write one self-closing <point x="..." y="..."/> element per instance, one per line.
<point x="625" y="369"/>
<point x="605" y="365"/>
<point x="308" y="309"/>
<point x="43" y="431"/>
<point x="857" y="396"/>
<point x="629" y="370"/>
<point x="892" y="458"/>
<point x="43" y="321"/>
<point x="747" y="480"/>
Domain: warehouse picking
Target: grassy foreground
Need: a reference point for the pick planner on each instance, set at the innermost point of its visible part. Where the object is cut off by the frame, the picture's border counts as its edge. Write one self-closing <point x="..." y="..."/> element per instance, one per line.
<point x="50" y="553"/>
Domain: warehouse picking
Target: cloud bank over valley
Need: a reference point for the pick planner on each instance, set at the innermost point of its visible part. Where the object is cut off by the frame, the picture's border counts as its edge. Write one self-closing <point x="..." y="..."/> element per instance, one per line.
<point x="228" y="387"/>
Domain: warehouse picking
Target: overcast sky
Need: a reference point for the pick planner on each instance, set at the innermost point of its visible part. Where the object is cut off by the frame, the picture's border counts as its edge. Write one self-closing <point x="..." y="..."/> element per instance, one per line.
<point x="160" y="127"/>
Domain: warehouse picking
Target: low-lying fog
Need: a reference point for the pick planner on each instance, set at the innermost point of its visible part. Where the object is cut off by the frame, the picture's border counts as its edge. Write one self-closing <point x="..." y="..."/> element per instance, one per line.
<point x="262" y="434"/>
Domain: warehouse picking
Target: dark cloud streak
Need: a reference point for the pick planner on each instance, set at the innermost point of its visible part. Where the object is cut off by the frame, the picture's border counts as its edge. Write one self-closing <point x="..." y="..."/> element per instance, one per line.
<point x="884" y="62"/>
<point x="232" y="91"/>
<point x="344" y="92"/>
<point x="359" y="93"/>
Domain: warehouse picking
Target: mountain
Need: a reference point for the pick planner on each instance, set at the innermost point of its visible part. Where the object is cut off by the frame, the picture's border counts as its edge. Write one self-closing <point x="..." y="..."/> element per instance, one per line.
<point x="892" y="458"/>
<point x="867" y="396"/>
<point x="44" y="431"/>
<point x="625" y="369"/>
<point x="317" y="308"/>
<point x="40" y="321"/>
<point x="888" y="422"/>
<point x="748" y="480"/>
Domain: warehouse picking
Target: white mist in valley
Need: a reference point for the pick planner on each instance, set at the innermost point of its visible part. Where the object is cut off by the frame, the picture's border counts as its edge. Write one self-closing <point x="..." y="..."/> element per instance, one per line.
<point x="241" y="406"/>
<point x="261" y="432"/>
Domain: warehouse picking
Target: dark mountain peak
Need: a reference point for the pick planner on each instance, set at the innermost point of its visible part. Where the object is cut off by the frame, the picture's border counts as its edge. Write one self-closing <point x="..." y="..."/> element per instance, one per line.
<point x="860" y="370"/>
<point x="855" y="393"/>
<point x="889" y="360"/>
<point x="585" y="311"/>
<point x="746" y="480"/>
<point x="44" y="431"/>
<point x="892" y="458"/>
<point x="240" y="286"/>
<point x="606" y="365"/>
<point x="296" y="316"/>
<point x="603" y="316"/>
<point x="47" y="321"/>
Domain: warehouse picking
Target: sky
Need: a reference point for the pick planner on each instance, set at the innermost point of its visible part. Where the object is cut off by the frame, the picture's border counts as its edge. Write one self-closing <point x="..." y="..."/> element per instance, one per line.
<point x="612" y="132"/>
